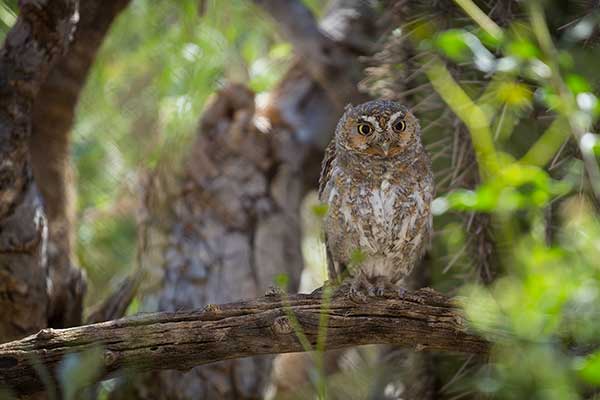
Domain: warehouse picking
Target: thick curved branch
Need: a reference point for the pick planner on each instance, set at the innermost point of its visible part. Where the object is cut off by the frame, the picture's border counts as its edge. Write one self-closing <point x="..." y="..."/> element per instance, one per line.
<point x="181" y="340"/>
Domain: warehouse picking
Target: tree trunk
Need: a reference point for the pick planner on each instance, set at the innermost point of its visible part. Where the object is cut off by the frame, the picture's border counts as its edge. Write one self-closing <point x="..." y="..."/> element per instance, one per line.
<point x="231" y="226"/>
<point x="53" y="116"/>
<point x="41" y="34"/>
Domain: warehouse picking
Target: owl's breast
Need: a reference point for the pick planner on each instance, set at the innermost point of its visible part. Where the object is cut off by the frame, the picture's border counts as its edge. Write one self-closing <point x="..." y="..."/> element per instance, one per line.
<point x="382" y="216"/>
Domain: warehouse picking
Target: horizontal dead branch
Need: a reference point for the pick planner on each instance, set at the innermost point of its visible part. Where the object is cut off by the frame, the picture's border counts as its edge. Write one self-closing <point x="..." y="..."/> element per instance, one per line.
<point x="181" y="340"/>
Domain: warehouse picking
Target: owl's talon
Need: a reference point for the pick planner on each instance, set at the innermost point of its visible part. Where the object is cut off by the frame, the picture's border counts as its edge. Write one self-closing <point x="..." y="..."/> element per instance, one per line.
<point x="382" y="285"/>
<point x="362" y="288"/>
<point x="356" y="291"/>
<point x="274" y="291"/>
<point x="376" y="290"/>
<point x="357" y="297"/>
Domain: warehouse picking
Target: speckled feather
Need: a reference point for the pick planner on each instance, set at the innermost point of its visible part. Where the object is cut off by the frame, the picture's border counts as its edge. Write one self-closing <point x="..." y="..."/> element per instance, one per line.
<point x="379" y="189"/>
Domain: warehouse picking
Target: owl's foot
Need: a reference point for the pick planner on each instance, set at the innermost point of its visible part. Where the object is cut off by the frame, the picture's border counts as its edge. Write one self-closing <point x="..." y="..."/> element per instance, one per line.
<point x="358" y="289"/>
<point x="361" y="288"/>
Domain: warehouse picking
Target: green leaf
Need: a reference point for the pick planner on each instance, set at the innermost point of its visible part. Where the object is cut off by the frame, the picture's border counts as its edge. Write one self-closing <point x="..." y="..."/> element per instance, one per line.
<point x="320" y="210"/>
<point x="282" y="280"/>
<point x="548" y="97"/>
<point x="487" y="39"/>
<point x="514" y="93"/>
<point x="452" y="44"/>
<point x="516" y="187"/>
<point x="577" y="83"/>
<point x="523" y="49"/>
<point x="588" y="368"/>
<point x="357" y="257"/>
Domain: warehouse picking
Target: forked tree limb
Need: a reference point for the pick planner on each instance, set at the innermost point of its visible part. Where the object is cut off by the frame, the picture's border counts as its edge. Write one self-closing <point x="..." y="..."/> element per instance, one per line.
<point x="424" y="320"/>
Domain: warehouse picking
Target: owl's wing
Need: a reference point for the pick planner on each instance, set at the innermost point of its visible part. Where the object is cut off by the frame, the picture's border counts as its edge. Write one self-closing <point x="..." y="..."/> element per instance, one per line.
<point x="326" y="167"/>
<point x="335" y="270"/>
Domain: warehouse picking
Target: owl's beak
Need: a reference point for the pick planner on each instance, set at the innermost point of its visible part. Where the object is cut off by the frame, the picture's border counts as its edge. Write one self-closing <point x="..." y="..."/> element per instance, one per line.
<point x="386" y="148"/>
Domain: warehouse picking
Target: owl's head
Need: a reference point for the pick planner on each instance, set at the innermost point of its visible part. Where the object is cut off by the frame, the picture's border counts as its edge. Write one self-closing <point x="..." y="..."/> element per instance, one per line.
<point x="379" y="128"/>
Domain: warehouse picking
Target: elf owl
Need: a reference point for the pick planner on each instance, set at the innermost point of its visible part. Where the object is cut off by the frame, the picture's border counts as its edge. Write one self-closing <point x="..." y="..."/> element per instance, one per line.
<point x="376" y="180"/>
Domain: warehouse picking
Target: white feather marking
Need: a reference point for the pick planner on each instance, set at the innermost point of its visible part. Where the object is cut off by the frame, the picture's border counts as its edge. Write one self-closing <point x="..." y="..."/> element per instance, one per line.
<point x="393" y="119"/>
<point x="346" y="211"/>
<point x="385" y="185"/>
<point x="374" y="121"/>
<point x="403" y="230"/>
<point x="382" y="202"/>
<point x="416" y="240"/>
<point x="332" y="195"/>
<point x="419" y="200"/>
<point x="413" y="221"/>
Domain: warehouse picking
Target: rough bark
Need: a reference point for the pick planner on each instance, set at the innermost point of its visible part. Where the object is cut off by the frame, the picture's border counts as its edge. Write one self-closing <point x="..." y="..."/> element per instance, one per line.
<point x="40" y="36"/>
<point x="425" y="320"/>
<point x="231" y="226"/>
<point x="53" y="115"/>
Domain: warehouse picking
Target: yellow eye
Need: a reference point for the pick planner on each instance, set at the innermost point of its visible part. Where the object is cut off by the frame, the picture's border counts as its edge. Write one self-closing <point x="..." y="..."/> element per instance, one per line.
<point x="399" y="125"/>
<point x="365" y="129"/>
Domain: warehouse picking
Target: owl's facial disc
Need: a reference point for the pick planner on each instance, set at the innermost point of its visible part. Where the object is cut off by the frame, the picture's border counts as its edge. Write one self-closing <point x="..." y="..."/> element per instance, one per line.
<point x="381" y="129"/>
<point x="384" y="134"/>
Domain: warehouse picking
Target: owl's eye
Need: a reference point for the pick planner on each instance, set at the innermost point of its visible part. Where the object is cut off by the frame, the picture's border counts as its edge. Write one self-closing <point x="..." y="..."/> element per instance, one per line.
<point x="399" y="125"/>
<point x="365" y="129"/>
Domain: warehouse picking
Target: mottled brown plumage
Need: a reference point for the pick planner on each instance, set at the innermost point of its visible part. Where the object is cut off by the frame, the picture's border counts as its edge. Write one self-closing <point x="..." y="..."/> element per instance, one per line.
<point x="376" y="179"/>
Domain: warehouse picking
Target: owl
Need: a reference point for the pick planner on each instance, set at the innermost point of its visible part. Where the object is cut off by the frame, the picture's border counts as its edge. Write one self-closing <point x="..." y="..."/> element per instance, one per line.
<point x="377" y="182"/>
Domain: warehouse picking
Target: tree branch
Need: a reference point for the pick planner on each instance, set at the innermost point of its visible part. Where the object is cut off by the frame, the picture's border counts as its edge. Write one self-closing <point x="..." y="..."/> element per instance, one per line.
<point x="116" y="304"/>
<point x="181" y="340"/>
<point x="325" y="60"/>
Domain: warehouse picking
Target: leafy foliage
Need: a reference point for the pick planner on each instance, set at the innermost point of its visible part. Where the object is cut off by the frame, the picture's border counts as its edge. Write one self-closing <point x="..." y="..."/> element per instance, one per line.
<point x="540" y="313"/>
